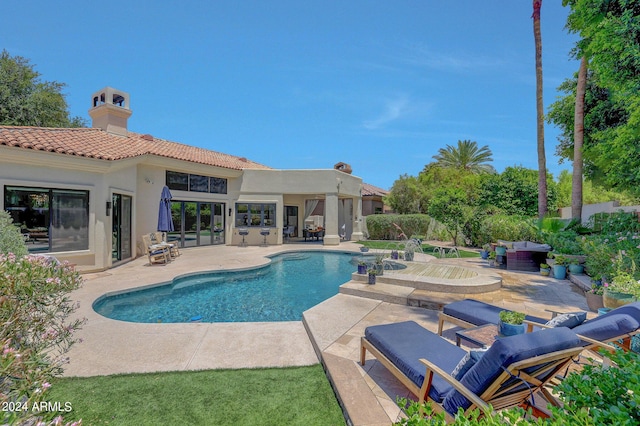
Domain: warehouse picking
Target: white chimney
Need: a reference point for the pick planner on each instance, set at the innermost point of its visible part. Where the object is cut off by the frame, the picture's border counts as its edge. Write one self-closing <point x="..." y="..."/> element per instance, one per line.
<point x="110" y="110"/>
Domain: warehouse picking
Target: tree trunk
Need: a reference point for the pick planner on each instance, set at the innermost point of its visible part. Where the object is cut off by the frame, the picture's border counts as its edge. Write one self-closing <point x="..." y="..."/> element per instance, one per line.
<point x="578" y="139"/>
<point x="542" y="160"/>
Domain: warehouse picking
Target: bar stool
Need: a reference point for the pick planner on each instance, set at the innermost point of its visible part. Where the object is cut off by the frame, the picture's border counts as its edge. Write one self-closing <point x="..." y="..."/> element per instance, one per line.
<point x="264" y="232"/>
<point x="244" y="232"/>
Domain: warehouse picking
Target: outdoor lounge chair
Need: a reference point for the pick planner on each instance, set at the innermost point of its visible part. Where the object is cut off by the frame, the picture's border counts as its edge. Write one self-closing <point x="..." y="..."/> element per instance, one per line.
<point x="511" y="371"/>
<point x="156" y="253"/>
<point x="617" y="326"/>
<point x="159" y="238"/>
<point x="469" y="313"/>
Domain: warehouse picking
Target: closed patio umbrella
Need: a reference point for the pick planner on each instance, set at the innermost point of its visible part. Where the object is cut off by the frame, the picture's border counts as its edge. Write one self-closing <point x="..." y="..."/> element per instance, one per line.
<point x="165" y="222"/>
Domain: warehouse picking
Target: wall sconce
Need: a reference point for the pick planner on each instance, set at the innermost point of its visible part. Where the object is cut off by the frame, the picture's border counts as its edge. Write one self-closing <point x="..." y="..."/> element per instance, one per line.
<point x="108" y="208"/>
<point x="229" y="212"/>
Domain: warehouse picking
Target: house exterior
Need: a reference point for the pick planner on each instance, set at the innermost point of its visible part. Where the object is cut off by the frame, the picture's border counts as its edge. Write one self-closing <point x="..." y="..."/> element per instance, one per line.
<point x="372" y="200"/>
<point x="87" y="195"/>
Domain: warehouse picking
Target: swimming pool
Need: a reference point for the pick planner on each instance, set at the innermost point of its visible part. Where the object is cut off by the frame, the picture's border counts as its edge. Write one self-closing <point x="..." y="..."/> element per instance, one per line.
<point x="280" y="291"/>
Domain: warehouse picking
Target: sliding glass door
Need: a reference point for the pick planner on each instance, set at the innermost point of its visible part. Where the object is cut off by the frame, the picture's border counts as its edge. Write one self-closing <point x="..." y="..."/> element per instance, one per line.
<point x="197" y="224"/>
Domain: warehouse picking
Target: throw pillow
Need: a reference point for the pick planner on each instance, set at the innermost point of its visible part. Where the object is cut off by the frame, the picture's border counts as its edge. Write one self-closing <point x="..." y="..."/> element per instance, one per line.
<point x="468" y="361"/>
<point x="570" y="320"/>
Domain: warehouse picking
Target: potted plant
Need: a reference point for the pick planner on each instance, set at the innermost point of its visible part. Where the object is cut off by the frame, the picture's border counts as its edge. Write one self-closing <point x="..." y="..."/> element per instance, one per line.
<point x="492" y="258"/>
<point x="408" y="253"/>
<point x="362" y="267"/>
<point x="372" y="275"/>
<point x="501" y="250"/>
<point x="484" y="253"/>
<point x="545" y="269"/>
<point x="378" y="264"/>
<point x="575" y="267"/>
<point x="511" y="323"/>
<point x="364" y="249"/>
<point x="623" y="289"/>
<point x="559" y="267"/>
<point x="394" y="254"/>
<point x="595" y="296"/>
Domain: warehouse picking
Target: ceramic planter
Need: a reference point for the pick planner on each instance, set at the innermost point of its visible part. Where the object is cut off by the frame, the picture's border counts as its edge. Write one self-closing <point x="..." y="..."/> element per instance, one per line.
<point x="506" y="329"/>
<point x="545" y="272"/>
<point x="408" y="256"/>
<point x="372" y="278"/>
<point x="614" y="299"/>
<point x="576" y="269"/>
<point x="501" y="251"/>
<point x="559" y="272"/>
<point x="362" y="269"/>
<point x="484" y="254"/>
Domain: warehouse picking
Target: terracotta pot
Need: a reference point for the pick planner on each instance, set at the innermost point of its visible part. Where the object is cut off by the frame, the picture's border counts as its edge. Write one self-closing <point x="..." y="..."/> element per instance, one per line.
<point x="614" y="299"/>
<point x="594" y="301"/>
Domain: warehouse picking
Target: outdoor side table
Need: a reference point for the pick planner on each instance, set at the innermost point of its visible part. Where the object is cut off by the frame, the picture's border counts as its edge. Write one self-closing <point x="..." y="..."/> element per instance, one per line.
<point x="483" y="335"/>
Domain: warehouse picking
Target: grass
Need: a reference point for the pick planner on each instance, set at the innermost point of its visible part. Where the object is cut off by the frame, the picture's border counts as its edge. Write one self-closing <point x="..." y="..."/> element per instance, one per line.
<point x="272" y="396"/>
<point x="397" y="245"/>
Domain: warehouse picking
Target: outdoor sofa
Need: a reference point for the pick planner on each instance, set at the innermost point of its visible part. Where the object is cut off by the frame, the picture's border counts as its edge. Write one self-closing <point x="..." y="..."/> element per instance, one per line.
<point x="509" y="373"/>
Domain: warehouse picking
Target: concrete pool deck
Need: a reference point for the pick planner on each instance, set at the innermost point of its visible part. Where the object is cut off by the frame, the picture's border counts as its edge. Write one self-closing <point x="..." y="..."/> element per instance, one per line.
<point x="330" y="331"/>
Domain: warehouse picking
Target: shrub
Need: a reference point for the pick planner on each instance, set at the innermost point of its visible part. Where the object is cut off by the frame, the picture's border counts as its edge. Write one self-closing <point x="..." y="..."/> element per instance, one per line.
<point x="508" y="228"/>
<point x="381" y="226"/>
<point x="11" y="239"/>
<point x="35" y="330"/>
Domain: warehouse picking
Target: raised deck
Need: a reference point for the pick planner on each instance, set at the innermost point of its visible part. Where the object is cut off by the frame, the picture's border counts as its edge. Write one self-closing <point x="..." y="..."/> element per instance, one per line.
<point x="427" y="284"/>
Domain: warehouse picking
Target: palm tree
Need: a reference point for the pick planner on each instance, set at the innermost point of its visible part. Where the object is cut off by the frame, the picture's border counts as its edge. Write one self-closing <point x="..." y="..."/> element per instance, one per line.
<point x="578" y="140"/>
<point x="466" y="156"/>
<point x="542" y="161"/>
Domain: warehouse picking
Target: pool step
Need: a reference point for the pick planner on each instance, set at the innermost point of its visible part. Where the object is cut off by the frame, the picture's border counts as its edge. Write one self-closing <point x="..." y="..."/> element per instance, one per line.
<point x="401" y="295"/>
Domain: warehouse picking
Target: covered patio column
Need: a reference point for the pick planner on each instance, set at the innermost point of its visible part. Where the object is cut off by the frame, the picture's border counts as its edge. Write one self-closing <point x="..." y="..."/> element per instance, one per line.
<point x="357" y="235"/>
<point x="331" y="237"/>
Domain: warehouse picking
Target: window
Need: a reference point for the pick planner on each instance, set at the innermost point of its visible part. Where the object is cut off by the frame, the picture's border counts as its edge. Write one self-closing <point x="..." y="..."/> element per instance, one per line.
<point x="196" y="183"/>
<point x="50" y="219"/>
<point x="255" y="214"/>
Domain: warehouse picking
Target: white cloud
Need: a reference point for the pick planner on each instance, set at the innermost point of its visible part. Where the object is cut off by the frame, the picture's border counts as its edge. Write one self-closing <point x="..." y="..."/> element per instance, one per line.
<point x="393" y="110"/>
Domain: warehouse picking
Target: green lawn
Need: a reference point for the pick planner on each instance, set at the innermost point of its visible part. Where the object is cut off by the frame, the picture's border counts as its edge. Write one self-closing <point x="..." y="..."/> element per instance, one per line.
<point x="397" y="245"/>
<point x="273" y="396"/>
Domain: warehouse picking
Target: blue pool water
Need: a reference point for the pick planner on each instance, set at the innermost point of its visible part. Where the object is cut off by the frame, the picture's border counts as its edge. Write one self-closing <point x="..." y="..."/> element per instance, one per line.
<point x="281" y="291"/>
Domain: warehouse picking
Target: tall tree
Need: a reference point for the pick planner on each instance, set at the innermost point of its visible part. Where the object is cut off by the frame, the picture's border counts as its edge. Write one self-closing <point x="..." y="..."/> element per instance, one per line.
<point x="25" y="100"/>
<point x="542" y="160"/>
<point x="466" y="156"/>
<point x="609" y="32"/>
<point x="578" y="140"/>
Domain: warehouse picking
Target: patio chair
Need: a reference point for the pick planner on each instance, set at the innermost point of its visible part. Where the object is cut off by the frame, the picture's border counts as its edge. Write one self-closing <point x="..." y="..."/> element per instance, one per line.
<point x="509" y="373"/>
<point x="160" y="239"/>
<point x="288" y="232"/>
<point x="470" y="313"/>
<point x="617" y="326"/>
<point x="155" y="252"/>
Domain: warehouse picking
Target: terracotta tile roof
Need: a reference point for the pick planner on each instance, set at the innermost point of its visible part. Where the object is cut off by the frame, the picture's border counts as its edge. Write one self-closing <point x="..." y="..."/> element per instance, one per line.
<point x="96" y="143"/>
<point x="373" y="190"/>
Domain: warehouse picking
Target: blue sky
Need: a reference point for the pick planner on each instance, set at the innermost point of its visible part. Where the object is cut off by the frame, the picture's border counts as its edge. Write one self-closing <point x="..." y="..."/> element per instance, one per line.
<point x="381" y="85"/>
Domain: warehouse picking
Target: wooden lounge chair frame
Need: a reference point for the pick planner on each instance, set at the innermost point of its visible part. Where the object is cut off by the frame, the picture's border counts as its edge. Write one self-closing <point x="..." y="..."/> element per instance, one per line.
<point x="156" y="253"/>
<point x="500" y="394"/>
<point x="161" y="240"/>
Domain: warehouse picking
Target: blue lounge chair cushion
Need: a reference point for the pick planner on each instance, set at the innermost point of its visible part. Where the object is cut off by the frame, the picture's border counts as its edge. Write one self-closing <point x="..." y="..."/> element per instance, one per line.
<point x="479" y="313"/>
<point x="618" y="322"/>
<point x="505" y="352"/>
<point x="404" y="343"/>
<point x="570" y="319"/>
